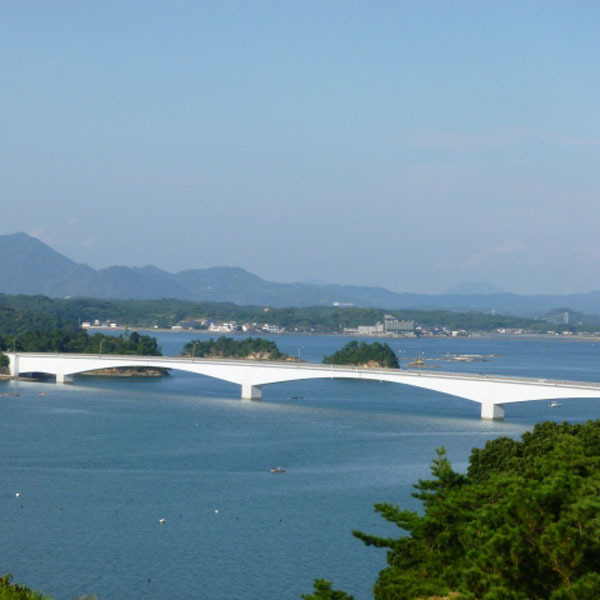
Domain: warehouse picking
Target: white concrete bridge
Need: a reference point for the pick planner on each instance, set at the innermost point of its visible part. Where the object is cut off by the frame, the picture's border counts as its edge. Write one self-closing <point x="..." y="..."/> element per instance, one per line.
<point x="491" y="391"/>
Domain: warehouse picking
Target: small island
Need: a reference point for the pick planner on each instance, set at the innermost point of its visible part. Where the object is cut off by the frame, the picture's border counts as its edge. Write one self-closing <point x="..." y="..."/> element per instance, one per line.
<point x="364" y="355"/>
<point x="225" y="347"/>
<point x="68" y="337"/>
<point x="127" y="372"/>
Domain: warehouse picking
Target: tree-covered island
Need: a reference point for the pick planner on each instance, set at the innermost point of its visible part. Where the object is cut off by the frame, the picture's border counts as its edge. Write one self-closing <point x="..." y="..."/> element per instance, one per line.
<point x="30" y="331"/>
<point x="226" y="347"/>
<point x="60" y="340"/>
<point x="364" y="355"/>
<point x="33" y="331"/>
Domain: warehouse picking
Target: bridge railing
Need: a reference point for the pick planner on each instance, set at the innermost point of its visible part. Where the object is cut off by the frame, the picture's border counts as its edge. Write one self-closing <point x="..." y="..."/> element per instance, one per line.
<point x="296" y="364"/>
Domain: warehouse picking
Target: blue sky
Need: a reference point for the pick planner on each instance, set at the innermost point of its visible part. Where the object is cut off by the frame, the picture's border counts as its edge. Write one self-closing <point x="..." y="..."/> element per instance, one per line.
<point x="412" y="145"/>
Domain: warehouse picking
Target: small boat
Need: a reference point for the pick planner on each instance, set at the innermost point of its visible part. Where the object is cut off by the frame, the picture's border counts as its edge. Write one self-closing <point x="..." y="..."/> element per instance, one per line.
<point x="554" y="404"/>
<point x="277" y="470"/>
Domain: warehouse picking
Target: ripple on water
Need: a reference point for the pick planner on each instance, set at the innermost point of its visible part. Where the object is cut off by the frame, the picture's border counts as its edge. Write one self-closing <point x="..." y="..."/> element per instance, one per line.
<point x="97" y="464"/>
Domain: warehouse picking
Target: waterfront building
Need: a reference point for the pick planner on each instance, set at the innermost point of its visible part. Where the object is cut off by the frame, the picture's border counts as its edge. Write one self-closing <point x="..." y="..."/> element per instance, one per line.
<point x="397" y="326"/>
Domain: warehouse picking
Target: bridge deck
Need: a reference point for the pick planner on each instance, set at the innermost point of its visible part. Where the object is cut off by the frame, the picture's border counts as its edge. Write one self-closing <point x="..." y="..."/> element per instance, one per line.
<point x="492" y="391"/>
<point x="296" y="364"/>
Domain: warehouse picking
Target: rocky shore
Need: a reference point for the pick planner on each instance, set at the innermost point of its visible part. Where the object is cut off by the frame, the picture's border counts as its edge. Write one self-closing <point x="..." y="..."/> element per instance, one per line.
<point x="127" y="372"/>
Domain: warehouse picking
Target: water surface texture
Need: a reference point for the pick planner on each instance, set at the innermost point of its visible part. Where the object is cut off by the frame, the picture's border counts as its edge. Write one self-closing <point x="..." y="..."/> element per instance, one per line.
<point x="98" y="464"/>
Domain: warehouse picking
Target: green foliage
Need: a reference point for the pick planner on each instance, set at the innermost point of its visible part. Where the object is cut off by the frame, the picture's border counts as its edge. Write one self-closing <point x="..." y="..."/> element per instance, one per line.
<point x="227" y="347"/>
<point x="522" y="524"/>
<point x="354" y="353"/>
<point x="132" y="343"/>
<point x="30" y="332"/>
<point x="81" y="342"/>
<point x="14" y="322"/>
<point x="33" y="330"/>
<point x="4" y="362"/>
<point x="323" y="591"/>
<point x="168" y="312"/>
<point x="14" y="591"/>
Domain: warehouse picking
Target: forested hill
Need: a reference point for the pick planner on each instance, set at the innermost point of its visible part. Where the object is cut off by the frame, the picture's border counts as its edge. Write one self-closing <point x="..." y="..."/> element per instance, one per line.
<point x="166" y="313"/>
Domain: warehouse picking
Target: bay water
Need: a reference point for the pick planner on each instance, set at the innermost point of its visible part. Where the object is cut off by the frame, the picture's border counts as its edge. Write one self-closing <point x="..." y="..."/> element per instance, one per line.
<point x="88" y="471"/>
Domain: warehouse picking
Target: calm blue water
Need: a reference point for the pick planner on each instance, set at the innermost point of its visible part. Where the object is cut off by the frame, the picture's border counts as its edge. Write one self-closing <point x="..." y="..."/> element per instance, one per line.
<point x="97" y="464"/>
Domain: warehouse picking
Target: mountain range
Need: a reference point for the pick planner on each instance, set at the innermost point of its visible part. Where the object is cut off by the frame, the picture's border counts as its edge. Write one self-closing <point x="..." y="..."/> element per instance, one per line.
<point x="28" y="266"/>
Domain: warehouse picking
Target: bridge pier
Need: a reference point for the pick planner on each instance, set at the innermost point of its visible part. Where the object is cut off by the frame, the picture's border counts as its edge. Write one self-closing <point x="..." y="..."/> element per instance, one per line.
<point x="485" y="389"/>
<point x="13" y="365"/>
<point x="494" y="412"/>
<point x="251" y="392"/>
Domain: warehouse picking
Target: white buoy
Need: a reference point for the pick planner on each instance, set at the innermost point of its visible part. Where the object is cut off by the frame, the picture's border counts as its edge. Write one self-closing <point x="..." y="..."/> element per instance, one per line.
<point x="18" y="494"/>
<point x="216" y="510"/>
<point x="161" y="520"/>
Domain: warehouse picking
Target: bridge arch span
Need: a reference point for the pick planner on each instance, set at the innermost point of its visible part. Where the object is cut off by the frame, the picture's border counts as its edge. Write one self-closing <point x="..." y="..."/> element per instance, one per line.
<point x="492" y="392"/>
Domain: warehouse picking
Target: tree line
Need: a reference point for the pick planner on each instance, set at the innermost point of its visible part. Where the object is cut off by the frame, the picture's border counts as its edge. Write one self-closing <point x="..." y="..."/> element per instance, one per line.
<point x="38" y="331"/>
<point x="58" y="340"/>
<point x="28" y="331"/>
<point x="168" y="312"/>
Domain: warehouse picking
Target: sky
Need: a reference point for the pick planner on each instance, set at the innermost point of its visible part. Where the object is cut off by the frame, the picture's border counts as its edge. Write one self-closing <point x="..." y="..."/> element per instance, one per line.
<point x="412" y="145"/>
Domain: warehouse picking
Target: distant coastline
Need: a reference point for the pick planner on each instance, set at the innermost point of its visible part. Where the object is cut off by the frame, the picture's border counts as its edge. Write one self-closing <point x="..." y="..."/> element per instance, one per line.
<point x="475" y="335"/>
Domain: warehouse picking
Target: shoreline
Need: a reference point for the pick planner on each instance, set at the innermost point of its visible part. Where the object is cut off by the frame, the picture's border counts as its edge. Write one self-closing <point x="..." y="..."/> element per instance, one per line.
<point x="475" y="335"/>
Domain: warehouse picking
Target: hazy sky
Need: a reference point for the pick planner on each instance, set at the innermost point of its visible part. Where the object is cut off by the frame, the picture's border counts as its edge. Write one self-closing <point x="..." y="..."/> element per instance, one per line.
<point x="412" y="145"/>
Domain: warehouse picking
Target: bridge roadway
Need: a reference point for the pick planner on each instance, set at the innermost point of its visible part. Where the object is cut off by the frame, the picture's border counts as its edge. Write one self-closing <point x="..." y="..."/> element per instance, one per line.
<point x="491" y="391"/>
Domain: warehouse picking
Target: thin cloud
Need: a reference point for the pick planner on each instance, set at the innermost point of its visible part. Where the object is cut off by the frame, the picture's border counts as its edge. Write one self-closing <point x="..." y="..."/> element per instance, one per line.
<point x="37" y="232"/>
<point x="588" y="142"/>
<point x="486" y="254"/>
<point x="91" y="241"/>
<point x="439" y="139"/>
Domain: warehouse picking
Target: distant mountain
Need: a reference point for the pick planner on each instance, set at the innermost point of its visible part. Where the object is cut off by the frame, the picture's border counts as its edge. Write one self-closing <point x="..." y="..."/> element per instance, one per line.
<point x="28" y="266"/>
<point x="474" y="287"/>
